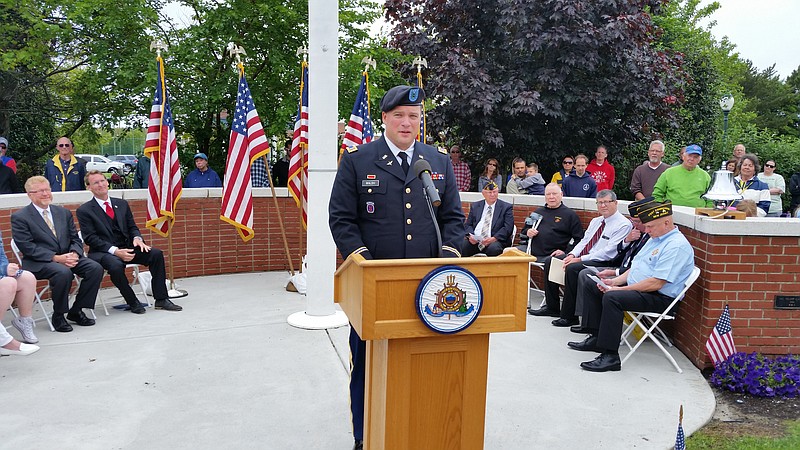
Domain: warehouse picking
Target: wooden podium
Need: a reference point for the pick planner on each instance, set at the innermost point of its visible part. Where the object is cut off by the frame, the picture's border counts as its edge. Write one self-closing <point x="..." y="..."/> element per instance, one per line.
<point x="427" y="390"/>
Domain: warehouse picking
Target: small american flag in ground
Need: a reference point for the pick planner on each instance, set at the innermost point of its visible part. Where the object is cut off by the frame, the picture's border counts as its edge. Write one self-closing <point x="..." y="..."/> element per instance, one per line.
<point x="680" y="439"/>
<point x="359" y="128"/>
<point x="298" y="159"/>
<point x="247" y="144"/>
<point x="720" y="344"/>
<point x="165" y="186"/>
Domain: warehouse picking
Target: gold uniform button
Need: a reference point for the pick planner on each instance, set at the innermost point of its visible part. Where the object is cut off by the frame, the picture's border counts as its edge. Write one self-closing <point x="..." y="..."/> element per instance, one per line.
<point x="408" y="205"/>
<point x="408" y="237"/>
<point x="408" y="221"/>
<point x="408" y="190"/>
<point x="369" y="191"/>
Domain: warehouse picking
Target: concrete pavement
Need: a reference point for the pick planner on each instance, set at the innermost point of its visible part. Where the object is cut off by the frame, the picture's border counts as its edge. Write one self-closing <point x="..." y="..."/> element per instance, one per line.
<point x="229" y="372"/>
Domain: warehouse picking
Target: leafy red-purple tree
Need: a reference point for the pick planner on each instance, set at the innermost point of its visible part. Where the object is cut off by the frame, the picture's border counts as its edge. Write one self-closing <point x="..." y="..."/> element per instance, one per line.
<point x="541" y="78"/>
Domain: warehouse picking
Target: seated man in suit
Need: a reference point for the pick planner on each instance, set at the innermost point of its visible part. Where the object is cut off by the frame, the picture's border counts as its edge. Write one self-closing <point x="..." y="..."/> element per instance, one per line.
<point x="114" y="240"/>
<point x="657" y="275"/>
<point x="52" y="250"/>
<point x="489" y="224"/>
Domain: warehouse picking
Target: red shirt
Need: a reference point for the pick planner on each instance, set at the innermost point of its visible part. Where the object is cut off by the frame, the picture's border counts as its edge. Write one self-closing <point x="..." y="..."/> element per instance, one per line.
<point x="603" y="174"/>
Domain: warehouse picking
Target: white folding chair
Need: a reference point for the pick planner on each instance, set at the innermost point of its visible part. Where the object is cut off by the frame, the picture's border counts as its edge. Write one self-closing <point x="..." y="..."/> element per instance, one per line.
<point x="135" y="281"/>
<point x="648" y="323"/>
<point x="38" y="295"/>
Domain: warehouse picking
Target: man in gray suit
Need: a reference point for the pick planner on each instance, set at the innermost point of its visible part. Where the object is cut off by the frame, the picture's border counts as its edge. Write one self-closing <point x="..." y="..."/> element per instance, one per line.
<point x="52" y="250"/>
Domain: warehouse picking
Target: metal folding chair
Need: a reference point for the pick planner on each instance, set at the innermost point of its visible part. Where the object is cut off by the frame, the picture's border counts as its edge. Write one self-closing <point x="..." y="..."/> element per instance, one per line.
<point x="648" y="322"/>
<point x="37" y="294"/>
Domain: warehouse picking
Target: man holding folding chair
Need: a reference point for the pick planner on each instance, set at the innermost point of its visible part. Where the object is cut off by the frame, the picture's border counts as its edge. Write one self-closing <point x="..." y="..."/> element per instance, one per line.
<point x="657" y="275"/>
<point x="52" y="250"/>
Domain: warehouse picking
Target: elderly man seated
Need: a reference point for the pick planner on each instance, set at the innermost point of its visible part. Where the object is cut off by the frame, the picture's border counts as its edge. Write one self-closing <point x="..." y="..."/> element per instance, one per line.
<point x="657" y="275"/>
<point x="551" y="228"/>
<point x="489" y="224"/>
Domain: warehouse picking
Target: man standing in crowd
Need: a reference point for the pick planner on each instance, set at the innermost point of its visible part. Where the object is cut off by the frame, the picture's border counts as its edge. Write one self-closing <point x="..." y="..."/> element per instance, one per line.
<point x="8" y="180"/>
<point x="794" y="190"/>
<point x="559" y="225"/>
<point x="114" y="240"/>
<point x="655" y="278"/>
<point x="280" y="170"/>
<point x="378" y="210"/>
<point x="602" y="171"/>
<point x="517" y="174"/>
<point x="581" y="183"/>
<point x="52" y="250"/>
<point x="646" y="175"/>
<point x="461" y="169"/>
<point x="683" y="185"/>
<point x="203" y="176"/>
<point x="597" y="248"/>
<point x="6" y="160"/>
<point x="258" y="173"/>
<point x="489" y="224"/>
<point x="64" y="171"/>
<point x="777" y="186"/>
<point x="142" y="175"/>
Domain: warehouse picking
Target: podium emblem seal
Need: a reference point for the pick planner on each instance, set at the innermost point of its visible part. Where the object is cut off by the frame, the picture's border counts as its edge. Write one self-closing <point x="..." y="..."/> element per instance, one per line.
<point x="449" y="299"/>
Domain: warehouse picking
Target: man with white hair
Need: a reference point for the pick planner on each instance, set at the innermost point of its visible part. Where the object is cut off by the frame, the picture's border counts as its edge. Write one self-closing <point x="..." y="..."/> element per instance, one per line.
<point x="645" y="176"/>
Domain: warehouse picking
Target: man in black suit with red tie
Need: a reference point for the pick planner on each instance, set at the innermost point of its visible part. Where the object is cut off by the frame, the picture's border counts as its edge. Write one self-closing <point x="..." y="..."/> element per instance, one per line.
<point x="489" y="224"/>
<point x="114" y="240"/>
<point x="52" y="250"/>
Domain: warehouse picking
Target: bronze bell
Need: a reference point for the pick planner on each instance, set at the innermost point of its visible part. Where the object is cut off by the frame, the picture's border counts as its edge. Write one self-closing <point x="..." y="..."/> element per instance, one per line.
<point x="722" y="190"/>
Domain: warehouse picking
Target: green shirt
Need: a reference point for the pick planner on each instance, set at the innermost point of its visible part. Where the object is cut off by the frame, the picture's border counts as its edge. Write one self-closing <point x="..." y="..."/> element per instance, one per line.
<point x="683" y="187"/>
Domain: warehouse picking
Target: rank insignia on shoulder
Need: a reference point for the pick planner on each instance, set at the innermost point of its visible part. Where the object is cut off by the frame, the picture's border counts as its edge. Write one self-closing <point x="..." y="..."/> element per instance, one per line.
<point x="442" y="150"/>
<point x="437" y="176"/>
<point x="352" y="149"/>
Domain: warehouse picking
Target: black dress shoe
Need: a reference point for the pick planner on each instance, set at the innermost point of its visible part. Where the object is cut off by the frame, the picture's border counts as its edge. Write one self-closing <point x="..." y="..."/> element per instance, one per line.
<point x="138" y="308"/>
<point x="544" y="311"/>
<point x="167" y="305"/>
<point x="359" y="445"/>
<point x="80" y="318"/>
<point x="603" y="363"/>
<point x="587" y="345"/>
<point x="60" y="323"/>
<point x="580" y="329"/>
<point x="562" y="322"/>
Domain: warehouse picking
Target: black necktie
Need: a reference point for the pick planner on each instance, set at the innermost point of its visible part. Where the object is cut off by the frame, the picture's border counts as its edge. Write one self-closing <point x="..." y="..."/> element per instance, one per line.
<point x="404" y="161"/>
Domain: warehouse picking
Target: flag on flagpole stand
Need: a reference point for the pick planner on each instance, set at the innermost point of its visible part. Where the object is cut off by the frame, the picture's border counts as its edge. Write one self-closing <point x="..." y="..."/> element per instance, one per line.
<point x="247" y="143"/>
<point x="164" y="187"/>
<point x="720" y="344"/>
<point x="422" y="123"/>
<point x="359" y="128"/>
<point x="298" y="160"/>
<point x="680" y="439"/>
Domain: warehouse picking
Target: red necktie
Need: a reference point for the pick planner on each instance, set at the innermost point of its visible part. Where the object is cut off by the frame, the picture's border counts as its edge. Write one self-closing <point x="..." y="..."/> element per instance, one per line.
<point x="109" y="210"/>
<point x="594" y="239"/>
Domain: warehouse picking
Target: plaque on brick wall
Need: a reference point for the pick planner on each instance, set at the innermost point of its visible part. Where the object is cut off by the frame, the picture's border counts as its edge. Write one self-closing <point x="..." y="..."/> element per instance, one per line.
<point x="787" y="302"/>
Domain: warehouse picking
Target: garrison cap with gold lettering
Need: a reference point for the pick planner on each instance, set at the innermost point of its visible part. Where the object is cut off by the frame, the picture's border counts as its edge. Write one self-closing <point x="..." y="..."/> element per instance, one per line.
<point x="635" y="207"/>
<point x="402" y="96"/>
<point x="490" y="186"/>
<point x="654" y="210"/>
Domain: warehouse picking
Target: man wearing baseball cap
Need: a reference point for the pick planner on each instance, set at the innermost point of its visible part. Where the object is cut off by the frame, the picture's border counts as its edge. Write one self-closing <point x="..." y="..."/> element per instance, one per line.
<point x="684" y="184"/>
<point x="378" y="210"/>
<point x="6" y="160"/>
<point x="203" y="176"/>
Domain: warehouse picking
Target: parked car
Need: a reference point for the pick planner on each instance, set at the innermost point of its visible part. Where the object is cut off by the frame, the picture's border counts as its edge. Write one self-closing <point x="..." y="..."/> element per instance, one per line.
<point x="103" y="164"/>
<point x="129" y="161"/>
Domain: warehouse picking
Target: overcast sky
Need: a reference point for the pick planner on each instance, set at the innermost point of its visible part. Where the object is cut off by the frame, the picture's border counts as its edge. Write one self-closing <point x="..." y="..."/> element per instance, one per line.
<point x="766" y="32"/>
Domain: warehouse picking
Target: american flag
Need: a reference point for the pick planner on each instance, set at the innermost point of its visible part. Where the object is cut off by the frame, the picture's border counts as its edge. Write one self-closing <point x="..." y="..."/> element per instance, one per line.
<point x="680" y="439"/>
<point x="422" y="124"/>
<point x="359" y="129"/>
<point x="720" y="344"/>
<point x="298" y="159"/>
<point x="247" y="144"/>
<point x="164" y="187"/>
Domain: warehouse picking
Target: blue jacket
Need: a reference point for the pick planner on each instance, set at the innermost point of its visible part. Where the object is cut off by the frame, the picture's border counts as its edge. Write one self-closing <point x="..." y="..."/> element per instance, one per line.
<point x="575" y="186"/>
<point x="207" y="179"/>
<point x="72" y="181"/>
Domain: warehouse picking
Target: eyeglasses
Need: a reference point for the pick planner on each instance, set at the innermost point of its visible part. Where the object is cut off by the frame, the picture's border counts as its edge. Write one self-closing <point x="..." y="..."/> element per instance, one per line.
<point x="771" y="166"/>
<point x="456" y="152"/>
<point x="567" y="162"/>
<point x="41" y="191"/>
<point x="605" y="202"/>
<point x="64" y="145"/>
<point x="491" y="164"/>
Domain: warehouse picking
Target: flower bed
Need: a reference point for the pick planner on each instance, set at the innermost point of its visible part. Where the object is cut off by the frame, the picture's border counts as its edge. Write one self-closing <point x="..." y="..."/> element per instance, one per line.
<point x="759" y="375"/>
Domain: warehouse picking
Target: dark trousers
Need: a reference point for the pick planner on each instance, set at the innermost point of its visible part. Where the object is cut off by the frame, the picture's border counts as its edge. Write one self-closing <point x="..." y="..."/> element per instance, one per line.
<point x="603" y="313"/>
<point x="469" y="249"/>
<point x="567" y="308"/>
<point x="154" y="259"/>
<point x="358" y="355"/>
<point x="60" y="278"/>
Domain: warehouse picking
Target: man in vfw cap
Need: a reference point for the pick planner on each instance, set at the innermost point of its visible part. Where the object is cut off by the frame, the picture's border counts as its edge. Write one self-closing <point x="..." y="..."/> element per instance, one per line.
<point x="657" y="275"/>
<point x="377" y="208"/>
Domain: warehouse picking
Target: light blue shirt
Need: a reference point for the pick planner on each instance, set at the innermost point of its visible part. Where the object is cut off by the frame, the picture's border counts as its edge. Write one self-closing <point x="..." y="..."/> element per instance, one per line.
<point x="669" y="257"/>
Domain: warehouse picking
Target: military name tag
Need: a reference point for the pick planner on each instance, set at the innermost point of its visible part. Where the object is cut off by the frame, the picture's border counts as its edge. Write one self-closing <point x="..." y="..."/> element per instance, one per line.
<point x="370" y="183"/>
<point x="449" y="299"/>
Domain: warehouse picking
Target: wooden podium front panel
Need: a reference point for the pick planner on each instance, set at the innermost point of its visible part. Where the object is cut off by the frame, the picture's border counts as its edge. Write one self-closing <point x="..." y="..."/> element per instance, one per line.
<point x="427" y="393"/>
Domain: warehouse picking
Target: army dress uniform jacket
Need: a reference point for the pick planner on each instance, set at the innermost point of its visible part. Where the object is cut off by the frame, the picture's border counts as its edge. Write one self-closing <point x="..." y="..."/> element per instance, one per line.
<point x="379" y="212"/>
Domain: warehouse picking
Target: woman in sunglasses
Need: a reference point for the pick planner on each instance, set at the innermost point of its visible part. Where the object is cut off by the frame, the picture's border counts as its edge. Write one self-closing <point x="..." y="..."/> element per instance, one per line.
<point x="490" y="173"/>
<point x="567" y="168"/>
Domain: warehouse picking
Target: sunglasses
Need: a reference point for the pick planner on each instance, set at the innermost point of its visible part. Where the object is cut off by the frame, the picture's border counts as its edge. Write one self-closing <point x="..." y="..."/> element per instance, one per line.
<point x="567" y="162"/>
<point x="771" y="166"/>
<point x="492" y="164"/>
<point x="64" y="145"/>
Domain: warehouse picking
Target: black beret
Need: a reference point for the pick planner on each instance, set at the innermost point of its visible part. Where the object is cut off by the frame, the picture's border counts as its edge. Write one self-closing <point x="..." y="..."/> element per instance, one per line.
<point x="402" y="96"/>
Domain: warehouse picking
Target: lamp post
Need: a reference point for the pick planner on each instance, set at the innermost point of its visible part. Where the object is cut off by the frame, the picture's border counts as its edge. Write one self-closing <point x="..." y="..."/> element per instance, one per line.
<point x="726" y="104"/>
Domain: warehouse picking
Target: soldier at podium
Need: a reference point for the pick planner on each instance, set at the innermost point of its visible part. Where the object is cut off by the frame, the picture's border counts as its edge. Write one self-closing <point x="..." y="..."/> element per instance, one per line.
<point x="378" y="209"/>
